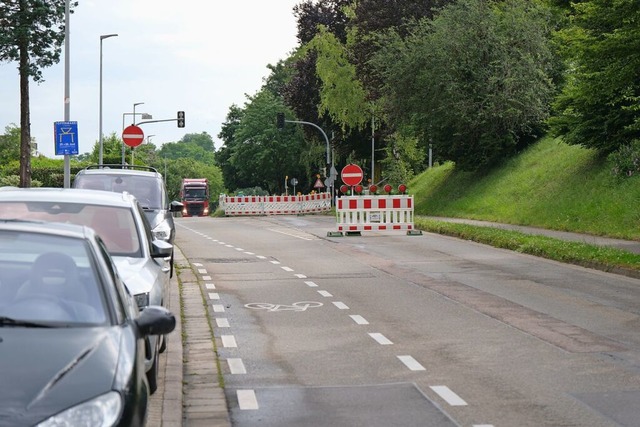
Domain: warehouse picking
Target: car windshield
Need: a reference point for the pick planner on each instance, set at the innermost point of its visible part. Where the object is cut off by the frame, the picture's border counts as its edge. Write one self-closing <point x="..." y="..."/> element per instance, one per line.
<point x="195" y="193"/>
<point x="47" y="280"/>
<point x="144" y="188"/>
<point x="115" y="225"/>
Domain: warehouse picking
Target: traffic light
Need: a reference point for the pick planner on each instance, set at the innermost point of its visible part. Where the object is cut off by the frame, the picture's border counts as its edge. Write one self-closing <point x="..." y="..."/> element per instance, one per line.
<point x="180" y="119"/>
<point x="280" y="120"/>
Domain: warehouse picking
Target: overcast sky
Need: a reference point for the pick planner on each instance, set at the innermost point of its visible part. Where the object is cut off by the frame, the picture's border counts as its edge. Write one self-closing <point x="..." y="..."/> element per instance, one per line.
<point x="198" y="56"/>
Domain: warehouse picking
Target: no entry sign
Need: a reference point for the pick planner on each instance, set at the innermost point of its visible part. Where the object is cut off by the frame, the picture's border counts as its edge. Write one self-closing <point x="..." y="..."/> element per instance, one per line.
<point x="351" y="175"/>
<point x="132" y="136"/>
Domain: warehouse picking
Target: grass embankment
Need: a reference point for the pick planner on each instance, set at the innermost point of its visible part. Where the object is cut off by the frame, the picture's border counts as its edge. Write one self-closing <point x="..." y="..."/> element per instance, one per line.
<point x="550" y="185"/>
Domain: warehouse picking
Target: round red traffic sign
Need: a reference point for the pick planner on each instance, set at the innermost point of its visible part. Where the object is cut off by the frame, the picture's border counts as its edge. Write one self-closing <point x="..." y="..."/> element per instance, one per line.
<point x="132" y="136"/>
<point x="351" y="174"/>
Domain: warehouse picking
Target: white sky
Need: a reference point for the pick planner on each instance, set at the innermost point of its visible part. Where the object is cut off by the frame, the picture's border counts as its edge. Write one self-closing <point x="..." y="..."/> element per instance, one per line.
<point x="199" y="56"/>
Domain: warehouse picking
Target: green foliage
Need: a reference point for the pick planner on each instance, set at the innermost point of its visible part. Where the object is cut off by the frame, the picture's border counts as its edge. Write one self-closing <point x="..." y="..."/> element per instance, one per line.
<point x="626" y="160"/>
<point x="258" y="153"/>
<point x="474" y="80"/>
<point x="403" y="158"/>
<point x="34" y="28"/>
<point x="550" y="185"/>
<point x="175" y="170"/>
<point x="599" y="107"/>
<point x="342" y="95"/>
<point x="193" y="146"/>
<point x="10" y="144"/>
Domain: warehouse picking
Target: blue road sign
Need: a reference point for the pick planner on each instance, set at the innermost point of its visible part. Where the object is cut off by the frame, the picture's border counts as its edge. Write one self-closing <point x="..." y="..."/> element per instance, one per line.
<point x="66" y="138"/>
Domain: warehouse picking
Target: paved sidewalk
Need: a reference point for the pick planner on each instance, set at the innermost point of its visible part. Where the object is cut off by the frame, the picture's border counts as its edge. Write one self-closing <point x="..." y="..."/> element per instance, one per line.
<point x="627" y="245"/>
<point x="189" y="392"/>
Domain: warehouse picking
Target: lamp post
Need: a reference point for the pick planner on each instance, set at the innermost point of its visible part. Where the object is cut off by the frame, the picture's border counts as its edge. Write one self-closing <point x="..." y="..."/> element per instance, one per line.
<point x="100" y="155"/>
<point x="149" y="139"/>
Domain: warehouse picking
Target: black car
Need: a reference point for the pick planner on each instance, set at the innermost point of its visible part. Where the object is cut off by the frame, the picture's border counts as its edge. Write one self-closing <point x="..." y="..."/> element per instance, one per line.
<point x="71" y="335"/>
<point x="146" y="184"/>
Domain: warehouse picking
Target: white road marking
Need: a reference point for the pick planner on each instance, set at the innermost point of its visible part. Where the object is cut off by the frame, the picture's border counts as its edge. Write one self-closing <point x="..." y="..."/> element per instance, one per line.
<point x="218" y="308"/>
<point x="221" y="243"/>
<point x="236" y="366"/>
<point x="249" y="253"/>
<point x="197" y="264"/>
<point x="247" y="400"/>
<point x="381" y="339"/>
<point x="229" y="246"/>
<point x="206" y="277"/>
<point x="202" y="270"/>
<point x="301" y="276"/>
<point x="228" y="341"/>
<point x="222" y="322"/>
<point x="341" y="305"/>
<point x="210" y="285"/>
<point x="483" y="425"/>
<point x="261" y="257"/>
<point x="325" y="294"/>
<point x="359" y="319"/>
<point x="311" y="284"/>
<point x="275" y="262"/>
<point x="286" y="268"/>
<point x="239" y="249"/>
<point x="411" y="363"/>
<point x="449" y="396"/>
<point x="214" y="295"/>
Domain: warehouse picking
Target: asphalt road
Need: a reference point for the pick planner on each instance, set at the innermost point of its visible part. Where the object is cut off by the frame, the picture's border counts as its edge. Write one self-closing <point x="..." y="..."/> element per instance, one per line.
<point x="388" y="329"/>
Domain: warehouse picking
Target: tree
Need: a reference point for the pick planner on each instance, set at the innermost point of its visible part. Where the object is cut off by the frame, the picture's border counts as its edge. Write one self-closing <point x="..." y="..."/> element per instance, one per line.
<point x="32" y="34"/>
<point x="475" y="80"/>
<point x="10" y="144"/>
<point x="599" y="107"/>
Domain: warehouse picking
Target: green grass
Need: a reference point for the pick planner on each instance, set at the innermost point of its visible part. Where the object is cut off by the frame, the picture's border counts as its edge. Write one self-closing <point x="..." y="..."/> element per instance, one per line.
<point x="550" y="185"/>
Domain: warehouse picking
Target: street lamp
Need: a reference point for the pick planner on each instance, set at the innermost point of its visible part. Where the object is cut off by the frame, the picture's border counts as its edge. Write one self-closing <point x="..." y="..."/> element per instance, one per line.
<point x="100" y="155"/>
<point x="149" y="139"/>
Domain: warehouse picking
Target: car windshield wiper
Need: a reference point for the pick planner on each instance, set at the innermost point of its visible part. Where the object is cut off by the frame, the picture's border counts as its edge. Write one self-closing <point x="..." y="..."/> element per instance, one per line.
<point x="8" y="321"/>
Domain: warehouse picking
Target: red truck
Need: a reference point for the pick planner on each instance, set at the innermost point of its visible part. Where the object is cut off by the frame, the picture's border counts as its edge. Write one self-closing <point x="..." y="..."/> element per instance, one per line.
<point x="194" y="194"/>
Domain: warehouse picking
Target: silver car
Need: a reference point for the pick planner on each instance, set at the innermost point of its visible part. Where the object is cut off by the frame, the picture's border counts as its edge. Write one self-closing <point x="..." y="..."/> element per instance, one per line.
<point x="120" y="221"/>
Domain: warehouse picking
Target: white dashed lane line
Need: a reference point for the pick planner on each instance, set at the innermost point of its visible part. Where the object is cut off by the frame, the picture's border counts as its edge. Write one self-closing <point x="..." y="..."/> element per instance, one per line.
<point x="341" y="305"/>
<point x="289" y="269"/>
<point x="214" y="295"/>
<point x="301" y="276"/>
<point x="325" y="294"/>
<point x="222" y="322"/>
<point x="449" y="396"/>
<point x="236" y="366"/>
<point x="359" y="319"/>
<point x="381" y="339"/>
<point x="229" y="341"/>
<point x="411" y="363"/>
<point x="218" y="308"/>
<point x="210" y="286"/>
<point x="311" y="284"/>
<point x="247" y="400"/>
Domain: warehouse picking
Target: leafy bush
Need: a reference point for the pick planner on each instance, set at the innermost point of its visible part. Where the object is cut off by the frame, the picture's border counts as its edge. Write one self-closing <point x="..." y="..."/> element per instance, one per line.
<point x="626" y="160"/>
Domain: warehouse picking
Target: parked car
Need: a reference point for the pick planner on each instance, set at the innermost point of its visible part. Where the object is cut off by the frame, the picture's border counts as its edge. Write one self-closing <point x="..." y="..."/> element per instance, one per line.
<point x="125" y="231"/>
<point x="146" y="184"/>
<point x="71" y="336"/>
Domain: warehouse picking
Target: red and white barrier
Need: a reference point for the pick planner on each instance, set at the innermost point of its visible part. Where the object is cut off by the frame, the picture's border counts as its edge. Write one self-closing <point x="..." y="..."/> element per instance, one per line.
<point x="371" y="213"/>
<point x="276" y="205"/>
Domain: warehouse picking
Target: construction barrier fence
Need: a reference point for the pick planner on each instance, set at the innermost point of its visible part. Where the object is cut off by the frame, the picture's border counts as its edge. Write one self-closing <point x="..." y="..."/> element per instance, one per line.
<point x="275" y="205"/>
<point x="371" y="212"/>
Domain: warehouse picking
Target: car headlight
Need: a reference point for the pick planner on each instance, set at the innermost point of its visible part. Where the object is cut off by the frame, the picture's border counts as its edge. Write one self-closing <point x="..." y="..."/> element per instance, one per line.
<point x="142" y="300"/>
<point x="103" y="411"/>
<point x="162" y="231"/>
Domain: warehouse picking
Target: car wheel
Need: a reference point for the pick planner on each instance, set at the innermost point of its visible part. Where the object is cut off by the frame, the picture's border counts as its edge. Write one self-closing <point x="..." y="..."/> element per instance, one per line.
<point x="163" y="345"/>
<point x="152" y="374"/>
<point x="171" y="266"/>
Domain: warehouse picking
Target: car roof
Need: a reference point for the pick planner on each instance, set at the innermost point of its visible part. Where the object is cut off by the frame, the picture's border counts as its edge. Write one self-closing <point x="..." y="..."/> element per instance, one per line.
<point x="119" y="170"/>
<point x="69" y="195"/>
<point x="43" y="227"/>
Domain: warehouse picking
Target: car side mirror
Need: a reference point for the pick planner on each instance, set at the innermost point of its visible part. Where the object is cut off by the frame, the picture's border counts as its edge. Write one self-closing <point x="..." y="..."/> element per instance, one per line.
<point x="155" y="320"/>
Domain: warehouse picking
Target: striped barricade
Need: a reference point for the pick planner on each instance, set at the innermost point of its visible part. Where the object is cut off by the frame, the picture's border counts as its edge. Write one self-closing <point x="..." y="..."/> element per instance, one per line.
<point x="371" y="213"/>
<point x="276" y="205"/>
